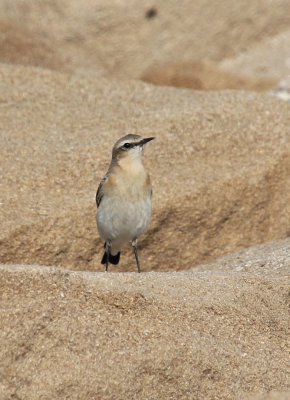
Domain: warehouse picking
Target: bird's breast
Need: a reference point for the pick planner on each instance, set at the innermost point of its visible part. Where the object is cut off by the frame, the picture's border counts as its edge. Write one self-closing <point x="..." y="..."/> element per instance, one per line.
<point x="133" y="185"/>
<point x="123" y="217"/>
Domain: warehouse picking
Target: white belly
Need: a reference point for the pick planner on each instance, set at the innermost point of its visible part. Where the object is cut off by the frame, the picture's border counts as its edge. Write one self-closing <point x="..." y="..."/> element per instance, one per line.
<point x="122" y="221"/>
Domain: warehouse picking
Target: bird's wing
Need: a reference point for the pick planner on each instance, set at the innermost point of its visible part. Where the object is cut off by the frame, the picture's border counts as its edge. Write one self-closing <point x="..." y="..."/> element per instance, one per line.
<point x="100" y="193"/>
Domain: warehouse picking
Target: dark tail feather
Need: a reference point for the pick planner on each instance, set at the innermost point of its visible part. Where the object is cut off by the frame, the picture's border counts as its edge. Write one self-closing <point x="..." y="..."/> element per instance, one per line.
<point x="112" y="259"/>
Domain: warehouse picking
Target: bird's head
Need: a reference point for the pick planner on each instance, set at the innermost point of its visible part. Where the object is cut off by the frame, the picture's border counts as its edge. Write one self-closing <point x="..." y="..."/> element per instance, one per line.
<point x="129" y="147"/>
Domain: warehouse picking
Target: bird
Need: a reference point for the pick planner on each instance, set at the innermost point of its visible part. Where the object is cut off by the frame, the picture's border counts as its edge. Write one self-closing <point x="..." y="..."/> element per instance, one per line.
<point x="124" y="198"/>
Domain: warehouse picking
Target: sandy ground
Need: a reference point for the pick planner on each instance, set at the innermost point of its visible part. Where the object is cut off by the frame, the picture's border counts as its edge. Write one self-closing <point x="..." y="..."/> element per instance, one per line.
<point x="122" y="40"/>
<point x="208" y="317"/>
<point x="219" y="166"/>
<point x="196" y="335"/>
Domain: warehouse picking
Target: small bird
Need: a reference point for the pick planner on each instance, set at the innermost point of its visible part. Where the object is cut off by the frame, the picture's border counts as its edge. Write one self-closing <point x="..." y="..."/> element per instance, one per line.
<point x="124" y="199"/>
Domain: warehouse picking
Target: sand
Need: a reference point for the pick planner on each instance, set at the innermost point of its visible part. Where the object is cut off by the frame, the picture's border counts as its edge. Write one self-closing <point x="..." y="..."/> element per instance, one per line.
<point x="208" y="317"/>
<point x="193" y="335"/>
<point x="220" y="175"/>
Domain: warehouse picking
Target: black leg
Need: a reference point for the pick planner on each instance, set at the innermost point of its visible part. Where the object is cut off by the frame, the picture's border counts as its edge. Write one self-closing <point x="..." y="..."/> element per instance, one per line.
<point x="108" y="251"/>
<point x="134" y="244"/>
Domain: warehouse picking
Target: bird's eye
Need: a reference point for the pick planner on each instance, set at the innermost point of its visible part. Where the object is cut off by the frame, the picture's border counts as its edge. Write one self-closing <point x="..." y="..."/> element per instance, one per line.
<point x="127" y="145"/>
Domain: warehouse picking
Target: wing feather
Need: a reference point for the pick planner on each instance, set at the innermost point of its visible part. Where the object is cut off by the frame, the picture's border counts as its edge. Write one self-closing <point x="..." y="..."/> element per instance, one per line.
<point x="100" y="193"/>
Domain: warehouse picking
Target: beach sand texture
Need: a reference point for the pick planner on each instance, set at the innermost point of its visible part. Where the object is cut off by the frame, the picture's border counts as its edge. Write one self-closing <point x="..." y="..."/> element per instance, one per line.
<point x="208" y="317"/>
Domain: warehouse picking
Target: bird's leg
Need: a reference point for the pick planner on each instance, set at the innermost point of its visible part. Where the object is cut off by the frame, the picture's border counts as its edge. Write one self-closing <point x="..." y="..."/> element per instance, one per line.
<point x="108" y="251"/>
<point x="134" y="244"/>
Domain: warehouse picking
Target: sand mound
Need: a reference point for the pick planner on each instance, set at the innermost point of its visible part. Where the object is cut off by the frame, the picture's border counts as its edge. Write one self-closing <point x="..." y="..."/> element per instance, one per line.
<point x="202" y="335"/>
<point x="221" y="179"/>
<point x="271" y="259"/>
<point x="18" y="45"/>
<point x="270" y="57"/>
<point x="220" y="173"/>
<point x="119" y="39"/>
<point x="204" y="76"/>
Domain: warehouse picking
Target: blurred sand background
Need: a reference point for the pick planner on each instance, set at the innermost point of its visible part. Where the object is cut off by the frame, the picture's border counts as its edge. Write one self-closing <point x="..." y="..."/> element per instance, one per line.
<point x="208" y="318"/>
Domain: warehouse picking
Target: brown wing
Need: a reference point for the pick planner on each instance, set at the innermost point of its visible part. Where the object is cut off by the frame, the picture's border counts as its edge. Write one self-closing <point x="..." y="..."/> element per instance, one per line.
<point x="99" y="194"/>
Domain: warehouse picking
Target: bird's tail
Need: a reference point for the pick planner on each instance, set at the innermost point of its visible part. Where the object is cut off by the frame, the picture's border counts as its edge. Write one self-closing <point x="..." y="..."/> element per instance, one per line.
<point x="112" y="259"/>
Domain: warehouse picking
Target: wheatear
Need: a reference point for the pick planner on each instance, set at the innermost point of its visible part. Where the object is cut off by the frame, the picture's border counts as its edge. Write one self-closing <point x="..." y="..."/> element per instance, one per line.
<point x="124" y="199"/>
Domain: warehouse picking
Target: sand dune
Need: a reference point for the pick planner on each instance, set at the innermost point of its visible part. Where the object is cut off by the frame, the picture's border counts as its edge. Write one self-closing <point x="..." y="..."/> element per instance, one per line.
<point x="203" y="335"/>
<point x="207" y="318"/>
<point x="121" y="41"/>
<point x="220" y="175"/>
<point x="220" y="168"/>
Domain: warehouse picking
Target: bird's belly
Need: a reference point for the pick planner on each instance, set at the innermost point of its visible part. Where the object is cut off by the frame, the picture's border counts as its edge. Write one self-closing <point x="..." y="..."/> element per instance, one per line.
<point x="123" y="221"/>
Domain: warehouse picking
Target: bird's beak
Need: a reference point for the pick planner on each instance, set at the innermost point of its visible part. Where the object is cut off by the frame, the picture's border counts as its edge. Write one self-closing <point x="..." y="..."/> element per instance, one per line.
<point x="146" y="140"/>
